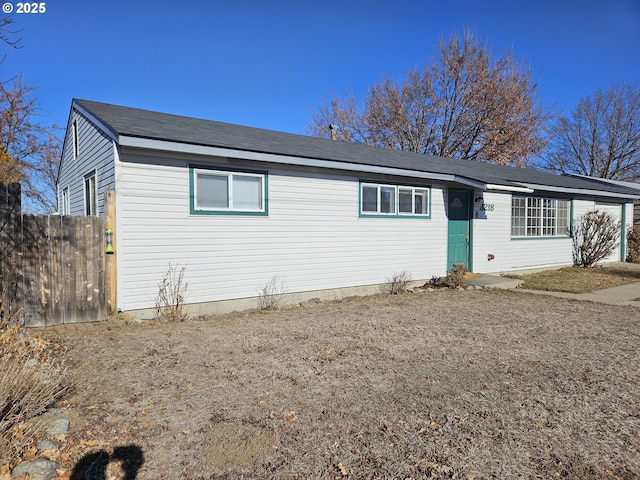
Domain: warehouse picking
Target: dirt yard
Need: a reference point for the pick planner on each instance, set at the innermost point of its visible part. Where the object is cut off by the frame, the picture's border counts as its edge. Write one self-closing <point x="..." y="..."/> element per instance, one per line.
<point x="449" y="384"/>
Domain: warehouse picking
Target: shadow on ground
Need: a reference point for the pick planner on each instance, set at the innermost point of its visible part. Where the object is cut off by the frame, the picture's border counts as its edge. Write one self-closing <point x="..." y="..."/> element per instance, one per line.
<point x="93" y="466"/>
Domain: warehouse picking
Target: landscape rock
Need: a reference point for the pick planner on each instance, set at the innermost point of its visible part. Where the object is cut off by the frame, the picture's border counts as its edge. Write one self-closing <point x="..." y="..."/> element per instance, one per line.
<point x="310" y="302"/>
<point x="41" y="469"/>
<point x="32" y="362"/>
<point x="47" y="445"/>
<point x="59" y="427"/>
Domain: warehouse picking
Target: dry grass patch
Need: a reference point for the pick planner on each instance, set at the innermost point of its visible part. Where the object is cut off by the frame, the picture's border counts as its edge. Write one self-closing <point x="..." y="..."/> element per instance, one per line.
<point x="30" y="383"/>
<point x="579" y="280"/>
<point x="448" y="384"/>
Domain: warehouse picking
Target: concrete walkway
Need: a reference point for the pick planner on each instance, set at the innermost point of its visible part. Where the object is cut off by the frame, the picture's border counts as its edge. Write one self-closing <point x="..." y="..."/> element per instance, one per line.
<point x="622" y="295"/>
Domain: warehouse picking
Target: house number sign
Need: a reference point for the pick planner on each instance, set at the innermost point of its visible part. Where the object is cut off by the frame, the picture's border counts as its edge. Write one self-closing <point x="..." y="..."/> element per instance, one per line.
<point x="487" y="207"/>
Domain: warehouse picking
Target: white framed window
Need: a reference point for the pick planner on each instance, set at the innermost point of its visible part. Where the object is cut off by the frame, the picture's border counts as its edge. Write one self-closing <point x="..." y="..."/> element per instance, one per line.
<point x="90" y="194"/>
<point x="74" y="139"/>
<point x="394" y="200"/>
<point x="228" y="192"/>
<point x="65" y="206"/>
<point x="540" y="217"/>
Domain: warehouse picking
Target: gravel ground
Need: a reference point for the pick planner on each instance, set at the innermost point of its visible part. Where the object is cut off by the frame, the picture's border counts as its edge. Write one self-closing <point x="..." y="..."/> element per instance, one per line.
<point x="445" y="384"/>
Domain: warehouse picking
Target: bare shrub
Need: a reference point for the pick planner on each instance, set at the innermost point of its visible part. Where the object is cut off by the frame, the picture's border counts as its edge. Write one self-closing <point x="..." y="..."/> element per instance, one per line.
<point x="30" y="383"/>
<point x="455" y="276"/>
<point x="397" y="284"/>
<point x="633" y="245"/>
<point x="595" y="236"/>
<point x="271" y="294"/>
<point x="172" y="291"/>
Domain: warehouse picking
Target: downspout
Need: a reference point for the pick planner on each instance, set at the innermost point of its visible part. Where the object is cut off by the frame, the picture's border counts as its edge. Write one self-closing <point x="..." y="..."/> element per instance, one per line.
<point x="623" y="234"/>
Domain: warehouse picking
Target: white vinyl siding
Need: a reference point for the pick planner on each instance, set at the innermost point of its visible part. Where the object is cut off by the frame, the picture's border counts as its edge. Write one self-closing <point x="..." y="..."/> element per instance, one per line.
<point x="492" y="234"/>
<point x="615" y="210"/>
<point x="313" y="237"/>
<point x="491" y="228"/>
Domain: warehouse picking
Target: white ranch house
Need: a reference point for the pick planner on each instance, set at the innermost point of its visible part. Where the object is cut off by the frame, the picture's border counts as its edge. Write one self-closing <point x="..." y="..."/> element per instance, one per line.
<point x="237" y="205"/>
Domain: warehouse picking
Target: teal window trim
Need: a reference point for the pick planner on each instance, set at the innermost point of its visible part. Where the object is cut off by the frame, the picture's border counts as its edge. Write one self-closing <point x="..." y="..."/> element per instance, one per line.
<point x="397" y="187"/>
<point x="528" y="239"/>
<point x="193" y="169"/>
<point x="541" y="226"/>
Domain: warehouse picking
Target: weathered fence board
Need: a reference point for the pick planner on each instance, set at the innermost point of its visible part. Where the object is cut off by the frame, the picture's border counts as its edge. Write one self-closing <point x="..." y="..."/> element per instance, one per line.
<point x="10" y="248"/>
<point x="52" y="268"/>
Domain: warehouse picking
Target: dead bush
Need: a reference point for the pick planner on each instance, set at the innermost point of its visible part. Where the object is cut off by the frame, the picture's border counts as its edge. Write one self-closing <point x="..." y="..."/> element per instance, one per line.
<point x="397" y="284"/>
<point x="595" y="237"/>
<point x="633" y="245"/>
<point x="30" y="383"/>
<point x="172" y="291"/>
<point x="455" y="276"/>
<point x="271" y="294"/>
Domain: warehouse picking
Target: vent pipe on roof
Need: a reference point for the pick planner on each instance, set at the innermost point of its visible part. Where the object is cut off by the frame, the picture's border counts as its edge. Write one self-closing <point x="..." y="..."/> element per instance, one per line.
<point x="332" y="129"/>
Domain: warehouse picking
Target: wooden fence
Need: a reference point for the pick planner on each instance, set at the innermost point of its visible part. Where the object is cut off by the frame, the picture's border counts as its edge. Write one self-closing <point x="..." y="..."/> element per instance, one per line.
<point x="53" y="268"/>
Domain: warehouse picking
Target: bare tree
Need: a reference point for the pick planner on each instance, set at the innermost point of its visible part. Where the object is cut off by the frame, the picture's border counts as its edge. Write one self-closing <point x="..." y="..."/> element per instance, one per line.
<point x="594" y="237"/>
<point x="8" y="33"/>
<point x="28" y="148"/>
<point x="8" y="168"/>
<point x="465" y="104"/>
<point x="601" y="138"/>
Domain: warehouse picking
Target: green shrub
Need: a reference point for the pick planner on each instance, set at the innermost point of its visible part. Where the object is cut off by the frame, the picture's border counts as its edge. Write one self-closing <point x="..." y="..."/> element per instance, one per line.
<point x="633" y="245"/>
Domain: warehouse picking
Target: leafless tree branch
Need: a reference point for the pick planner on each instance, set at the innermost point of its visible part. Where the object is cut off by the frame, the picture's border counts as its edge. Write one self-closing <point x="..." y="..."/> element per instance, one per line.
<point x="464" y="104"/>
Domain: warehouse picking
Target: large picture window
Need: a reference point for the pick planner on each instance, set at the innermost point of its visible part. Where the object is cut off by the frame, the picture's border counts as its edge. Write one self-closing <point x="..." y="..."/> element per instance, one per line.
<point x="393" y="200"/>
<point x="540" y="217"/>
<point x="228" y="192"/>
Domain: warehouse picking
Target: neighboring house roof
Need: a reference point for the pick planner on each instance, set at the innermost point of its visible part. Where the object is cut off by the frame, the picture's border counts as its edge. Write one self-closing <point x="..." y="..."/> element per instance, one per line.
<point x="147" y="129"/>
<point x="631" y="185"/>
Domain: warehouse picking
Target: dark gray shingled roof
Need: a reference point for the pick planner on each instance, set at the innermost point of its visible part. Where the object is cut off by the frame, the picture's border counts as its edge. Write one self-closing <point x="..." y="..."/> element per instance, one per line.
<point x="133" y="122"/>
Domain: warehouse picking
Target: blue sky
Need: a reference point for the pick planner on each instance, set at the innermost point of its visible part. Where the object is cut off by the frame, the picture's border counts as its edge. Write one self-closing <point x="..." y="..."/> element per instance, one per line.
<point x="269" y="63"/>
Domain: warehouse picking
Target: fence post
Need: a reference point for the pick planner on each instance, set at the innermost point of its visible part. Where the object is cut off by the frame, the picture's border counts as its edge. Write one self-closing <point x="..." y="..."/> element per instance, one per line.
<point x="11" y="295"/>
<point x="110" y="258"/>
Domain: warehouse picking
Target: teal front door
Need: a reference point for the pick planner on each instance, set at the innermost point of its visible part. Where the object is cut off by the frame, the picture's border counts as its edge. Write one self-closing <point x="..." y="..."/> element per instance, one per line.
<point x="459" y="214"/>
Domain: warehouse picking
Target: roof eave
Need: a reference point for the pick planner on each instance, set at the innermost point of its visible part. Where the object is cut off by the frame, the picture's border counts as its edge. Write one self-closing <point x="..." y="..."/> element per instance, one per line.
<point x="579" y="191"/>
<point x="153" y="144"/>
<point x="98" y="122"/>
